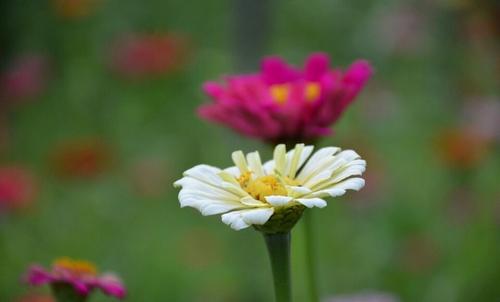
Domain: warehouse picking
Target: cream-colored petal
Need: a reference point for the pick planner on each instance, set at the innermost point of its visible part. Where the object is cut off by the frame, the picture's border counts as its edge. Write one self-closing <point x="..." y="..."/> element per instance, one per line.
<point x="312" y="202"/>
<point x="255" y="164"/>
<point x="280" y="159"/>
<point x="252" y="202"/>
<point x="240" y="161"/>
<point x="278" y="200"/>
<point x="234" y="171"/>
<point x="293" y="158"/>
<point x="296" y="191"/>
<point x="242" y="219"/>
<point x="340" y="188"/>
<point x="319" y="161"/>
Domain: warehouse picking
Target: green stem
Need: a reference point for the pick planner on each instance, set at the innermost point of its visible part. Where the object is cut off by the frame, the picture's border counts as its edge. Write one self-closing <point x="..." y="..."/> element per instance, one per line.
<point x="64" y="292"/>
<point x="310" y="252"/>
<point x="278" y="246"/>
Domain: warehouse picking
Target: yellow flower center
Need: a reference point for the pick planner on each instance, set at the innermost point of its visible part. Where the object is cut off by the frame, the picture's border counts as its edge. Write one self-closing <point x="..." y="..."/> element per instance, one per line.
<point x="77" y="267"/>
<point x="265" y="186"/>
<point x="280" y="92"/>
<point x="312" y="91"/>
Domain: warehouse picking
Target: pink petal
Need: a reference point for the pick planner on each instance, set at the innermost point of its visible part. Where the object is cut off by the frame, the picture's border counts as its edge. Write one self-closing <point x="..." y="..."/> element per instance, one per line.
<point x="112" y="286"/>
<point x="276" y="71"/>
<point x="213" y="89"/>
<point x="37" y="275"/>
<point x="316" y="66"/>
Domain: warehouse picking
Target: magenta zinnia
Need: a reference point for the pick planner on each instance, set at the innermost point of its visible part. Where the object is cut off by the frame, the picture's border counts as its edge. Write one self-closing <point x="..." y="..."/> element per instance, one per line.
<point x="284" y="104"/>
<point x="82" y="276"/>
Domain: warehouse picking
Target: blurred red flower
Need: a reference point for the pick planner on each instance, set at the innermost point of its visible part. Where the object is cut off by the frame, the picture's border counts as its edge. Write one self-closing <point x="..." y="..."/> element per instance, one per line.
<point x="141" y="55"/>
<point x="23" y="79"/>
<point x="85" y="157"/>
<point x="18" y="187"/>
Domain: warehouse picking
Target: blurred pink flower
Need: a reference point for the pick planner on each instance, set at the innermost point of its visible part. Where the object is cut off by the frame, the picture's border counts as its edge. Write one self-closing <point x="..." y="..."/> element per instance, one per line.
<point x="283" y="103"/>
<point x="81" y="275"/>
<point x="24" y="78"/>
<point x="141" y="55"/>
<point x="481" y="116"/>
<point x="17" y="187"/>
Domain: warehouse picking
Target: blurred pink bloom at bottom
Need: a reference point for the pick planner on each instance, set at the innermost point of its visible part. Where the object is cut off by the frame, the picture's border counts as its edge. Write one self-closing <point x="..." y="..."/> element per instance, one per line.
<point x="17" y="187"/>
<point x="81" y="275"/>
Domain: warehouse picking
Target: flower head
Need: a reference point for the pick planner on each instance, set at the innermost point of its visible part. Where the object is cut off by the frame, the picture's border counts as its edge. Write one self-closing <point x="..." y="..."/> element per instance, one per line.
<point x="81" y="157"/>
<point x="81" y="275"/>
<point x="24" y="79"/>
<point x="143" y="55"/>
<point x="283" y="103"/>
<point x="273" y="195"/>
<point x="18" y="187"/>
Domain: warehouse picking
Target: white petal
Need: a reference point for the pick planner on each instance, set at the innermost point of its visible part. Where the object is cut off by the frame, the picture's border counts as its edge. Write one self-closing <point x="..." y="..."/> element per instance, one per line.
<point x="277" y="201"/>
<point x="251" y="202"/>
<point x="296" y="191"/>
<point x="240" y="161"/>
<point x="242" y="219"/>
<point x="269" y="167"/>
<point x="280" y="159"/>
<point x="312" y="202"/>
<point x="340" y="188"/>
<point x="318" y="162"/>
<point x="255" y="164"/>
<point x="293" y="160"/>
<point x="257" y="216"/>
<point x="234" y="171"/>
<point x="234" y="220"/>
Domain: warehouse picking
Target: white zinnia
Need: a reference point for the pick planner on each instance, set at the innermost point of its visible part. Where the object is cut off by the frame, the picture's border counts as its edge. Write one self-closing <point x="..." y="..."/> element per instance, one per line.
<point x="250" y="192"/>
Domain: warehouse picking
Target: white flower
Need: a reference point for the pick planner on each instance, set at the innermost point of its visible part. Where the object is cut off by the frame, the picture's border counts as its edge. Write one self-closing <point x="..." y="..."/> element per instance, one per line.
<point x="251" y="192"/>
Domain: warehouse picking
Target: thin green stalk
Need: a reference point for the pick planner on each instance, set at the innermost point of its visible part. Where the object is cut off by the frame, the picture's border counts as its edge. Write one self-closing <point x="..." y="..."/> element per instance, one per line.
<point x="310" y="252"/>
<point x="278" y="246"/>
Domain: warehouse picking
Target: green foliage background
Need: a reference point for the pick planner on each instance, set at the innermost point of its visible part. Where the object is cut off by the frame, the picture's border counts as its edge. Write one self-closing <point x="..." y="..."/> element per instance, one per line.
<point x="165" y="253"/>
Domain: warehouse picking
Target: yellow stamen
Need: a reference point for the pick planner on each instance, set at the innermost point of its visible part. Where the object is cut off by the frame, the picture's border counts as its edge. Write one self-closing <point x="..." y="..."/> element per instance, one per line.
<point x="280" y="92"/>
<point x="78" y="267"/>
<point x="265" y="186"/>
<point x="312" y="91"/>
<point x="244" y="179"/>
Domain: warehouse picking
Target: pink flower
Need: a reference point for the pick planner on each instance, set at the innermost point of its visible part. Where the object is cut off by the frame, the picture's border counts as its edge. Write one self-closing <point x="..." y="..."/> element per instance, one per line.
<point x="17" y="187"/>
<point x="283" y="103"/>
<point x="25" y="78"/>
<point x="81" y="275"/>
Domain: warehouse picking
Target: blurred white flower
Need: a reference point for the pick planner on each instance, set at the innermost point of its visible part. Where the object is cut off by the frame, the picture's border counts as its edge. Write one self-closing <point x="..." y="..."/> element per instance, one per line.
<point x="252" y="193"/>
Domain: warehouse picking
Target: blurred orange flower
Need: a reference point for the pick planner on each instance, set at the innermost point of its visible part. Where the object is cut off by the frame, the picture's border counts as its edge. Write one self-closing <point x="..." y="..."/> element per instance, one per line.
<point x="140" y="55"/>
<point x="460" y="148"/>
<point x="18" y="187"/>
<point x="85" y="157"/>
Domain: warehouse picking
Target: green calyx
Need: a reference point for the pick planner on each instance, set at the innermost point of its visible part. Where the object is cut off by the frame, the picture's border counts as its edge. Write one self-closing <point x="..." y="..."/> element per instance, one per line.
<point x="283" y="219"/>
